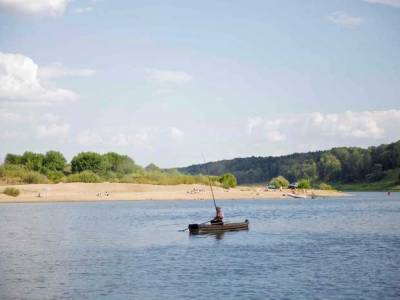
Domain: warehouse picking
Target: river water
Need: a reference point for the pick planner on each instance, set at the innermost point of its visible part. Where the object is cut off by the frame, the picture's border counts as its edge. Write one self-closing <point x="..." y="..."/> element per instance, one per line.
<point x="340" y="248"/>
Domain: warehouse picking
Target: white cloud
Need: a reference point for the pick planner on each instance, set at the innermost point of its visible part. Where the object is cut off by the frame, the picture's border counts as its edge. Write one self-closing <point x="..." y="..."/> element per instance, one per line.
<point x="395" y="3"/>
<point x="82" y="10"/>
<point x="59" y="71"/>
<point x="176" y="133"/>
<point x="121" y="140"/>
<point x="168" y="77"/>
<point x="89" y="138"/>
<point x="253" y="122"/>
<point x="320" y="127"/>
<point x="52" y="130"/>
<point x="35" y="7"/>
<point x="7" y="115"/>
<point x="20" y="83"/>
<point x="344" y="19"/>
<point x="50" y="117"/>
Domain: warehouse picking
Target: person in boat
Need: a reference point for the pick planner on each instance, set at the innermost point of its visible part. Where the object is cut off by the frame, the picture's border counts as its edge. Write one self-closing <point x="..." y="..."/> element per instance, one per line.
<point x="219" y="216"/>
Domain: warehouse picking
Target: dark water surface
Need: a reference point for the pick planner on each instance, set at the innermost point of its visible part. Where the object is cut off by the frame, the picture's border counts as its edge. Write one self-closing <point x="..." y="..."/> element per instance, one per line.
<point x="345" y="248"/>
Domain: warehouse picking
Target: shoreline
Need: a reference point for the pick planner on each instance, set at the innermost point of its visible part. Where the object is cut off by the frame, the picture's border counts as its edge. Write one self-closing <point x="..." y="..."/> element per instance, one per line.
<point x="90" y="192"/>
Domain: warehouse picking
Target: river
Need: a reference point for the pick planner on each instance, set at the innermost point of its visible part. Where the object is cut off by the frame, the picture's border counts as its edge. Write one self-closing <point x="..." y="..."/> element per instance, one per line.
<point x="339" y="248"/>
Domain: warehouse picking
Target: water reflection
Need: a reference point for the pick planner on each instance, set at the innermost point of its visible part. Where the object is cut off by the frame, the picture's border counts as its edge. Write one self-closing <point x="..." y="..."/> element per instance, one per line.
<point x="217" y="235"/>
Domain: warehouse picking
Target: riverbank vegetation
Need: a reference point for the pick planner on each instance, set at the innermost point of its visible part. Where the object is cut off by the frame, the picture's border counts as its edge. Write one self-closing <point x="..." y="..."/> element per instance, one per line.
<point x="92" y="167"/>
<point x="347" y="168"/>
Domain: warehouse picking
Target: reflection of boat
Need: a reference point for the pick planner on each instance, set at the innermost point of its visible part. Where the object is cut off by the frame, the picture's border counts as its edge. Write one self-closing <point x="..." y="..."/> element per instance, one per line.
<point x="296" y="195"/>
<point x="210" y="228"/>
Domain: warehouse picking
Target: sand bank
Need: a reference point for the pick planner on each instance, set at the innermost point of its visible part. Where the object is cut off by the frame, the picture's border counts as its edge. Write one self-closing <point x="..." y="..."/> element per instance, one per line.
<point x="64" y="192"/>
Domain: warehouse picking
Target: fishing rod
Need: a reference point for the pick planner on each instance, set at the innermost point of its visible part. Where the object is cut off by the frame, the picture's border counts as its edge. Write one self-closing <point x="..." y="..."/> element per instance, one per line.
<point x="209" y="181"/>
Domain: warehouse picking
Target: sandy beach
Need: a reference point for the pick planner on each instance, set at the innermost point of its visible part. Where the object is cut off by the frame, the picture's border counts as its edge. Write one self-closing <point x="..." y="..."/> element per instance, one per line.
<point x="69" y="192"/>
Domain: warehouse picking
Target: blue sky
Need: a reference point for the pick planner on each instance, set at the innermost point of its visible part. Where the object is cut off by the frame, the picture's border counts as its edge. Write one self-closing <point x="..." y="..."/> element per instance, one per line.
<point x="164" y="81"/>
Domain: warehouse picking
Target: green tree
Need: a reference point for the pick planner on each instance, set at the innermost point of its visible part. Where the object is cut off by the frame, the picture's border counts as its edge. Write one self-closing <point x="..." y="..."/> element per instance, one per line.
<point x="89" y="161"/>
<point x="228" y="180"/>
<point x="279" y="182"/>
<point x="54" y="161"/>
<point x="13" y="159"/>
<point x="121" y="164"/>
<point x="33" y="161"/>
<point x="329" y="167"/>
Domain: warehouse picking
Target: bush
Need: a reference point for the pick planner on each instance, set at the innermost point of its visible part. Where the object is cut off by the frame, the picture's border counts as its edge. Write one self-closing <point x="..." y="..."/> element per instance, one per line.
<point x="10" y="191"/>
<point x="33" y="177"/>
<point x="325" y="186"/>
<point x="55" y="176"/>
<point x="89" y="161"/>
<point x="228" y="180"/>
<point x="279" y="182"/>
<point x="85" y="176"/>
<point x="304" y="184"/>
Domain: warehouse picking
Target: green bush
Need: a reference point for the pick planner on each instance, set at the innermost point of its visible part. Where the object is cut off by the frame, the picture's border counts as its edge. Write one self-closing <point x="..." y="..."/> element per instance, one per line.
<point x="89" y="161"/>
<point x="325" y="186"/>
<point x="32" y="177"/>
<point x="228" y="180"/>
<point x="279" y="182"/>
<point x="2" y="171"/>
<point x="55" y="176"/>
<point x="85" y="176"/>
<point x="304" y="184"/>
<point x="10" y="191"/>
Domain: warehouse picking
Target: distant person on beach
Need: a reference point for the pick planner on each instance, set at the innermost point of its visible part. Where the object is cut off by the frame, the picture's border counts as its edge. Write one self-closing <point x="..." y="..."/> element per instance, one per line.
<point x="219" y="216"/>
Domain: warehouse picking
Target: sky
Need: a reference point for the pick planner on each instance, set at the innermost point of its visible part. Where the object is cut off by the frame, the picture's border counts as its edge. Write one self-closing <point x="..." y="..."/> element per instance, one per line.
<point x="169" y="81"/>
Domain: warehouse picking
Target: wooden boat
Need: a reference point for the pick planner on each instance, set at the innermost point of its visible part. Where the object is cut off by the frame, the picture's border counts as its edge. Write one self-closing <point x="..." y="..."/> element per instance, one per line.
<point x="212" y="228"/>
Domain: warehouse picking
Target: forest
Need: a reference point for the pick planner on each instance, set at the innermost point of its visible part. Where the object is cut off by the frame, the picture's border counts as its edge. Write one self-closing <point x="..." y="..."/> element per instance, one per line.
<point x="342" y="166"/>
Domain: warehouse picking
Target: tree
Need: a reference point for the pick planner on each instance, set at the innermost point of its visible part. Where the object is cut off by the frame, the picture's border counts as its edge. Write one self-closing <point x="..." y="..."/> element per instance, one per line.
<point x="54" y="161"/>
<point x="122" y="164"/>
<point x="279" y="182"/>
<point x="228" y="180"/>
<point x="329" y="167"/>
<point x="91" y="161"/>
<point x="13" y="159"/>
<point x="33" y="161"/>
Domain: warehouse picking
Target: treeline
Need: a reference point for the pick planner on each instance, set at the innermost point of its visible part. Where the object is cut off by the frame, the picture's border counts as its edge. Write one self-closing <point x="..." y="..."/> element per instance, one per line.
<point x="338" y="165"/>
<point x="52" y="166"/>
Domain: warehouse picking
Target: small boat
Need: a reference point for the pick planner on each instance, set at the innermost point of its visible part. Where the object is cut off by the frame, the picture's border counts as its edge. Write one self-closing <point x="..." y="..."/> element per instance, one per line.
<point x="212" y="228"/>
<point x="296" y="195"/>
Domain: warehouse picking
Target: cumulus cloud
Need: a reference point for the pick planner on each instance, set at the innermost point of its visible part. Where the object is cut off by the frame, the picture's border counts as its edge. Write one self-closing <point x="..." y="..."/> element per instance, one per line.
<point x="168" y="77"/>
<point x="344" y="19"/>
<point x="59" y="71"/>
<point x="20" y="83"/>
<point x="367" y="125"/>
<point x="35" y="7"/>
<point x="395" y="3"/>
<point x="52" y="130"/>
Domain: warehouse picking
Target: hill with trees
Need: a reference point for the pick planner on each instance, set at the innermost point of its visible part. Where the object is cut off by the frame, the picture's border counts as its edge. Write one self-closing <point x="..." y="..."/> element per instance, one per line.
<point x="349" y="167"/>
